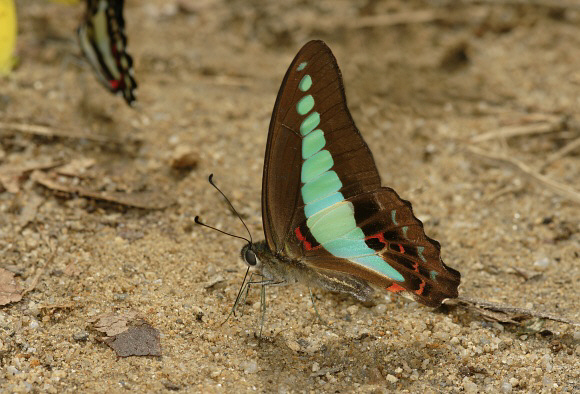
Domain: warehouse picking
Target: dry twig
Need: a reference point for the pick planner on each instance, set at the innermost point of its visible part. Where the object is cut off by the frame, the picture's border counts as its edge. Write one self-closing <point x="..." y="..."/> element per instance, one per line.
<point x="508" y="309"/>
<point x="50" y="132"/>
<point x="572" y="146"/>
<point x="519" y="130"/>
<point x="556" y="187"/>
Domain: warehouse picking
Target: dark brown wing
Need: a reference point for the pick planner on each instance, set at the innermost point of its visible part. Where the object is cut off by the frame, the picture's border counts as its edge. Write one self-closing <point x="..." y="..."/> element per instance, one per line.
<point x="281" y="200"/>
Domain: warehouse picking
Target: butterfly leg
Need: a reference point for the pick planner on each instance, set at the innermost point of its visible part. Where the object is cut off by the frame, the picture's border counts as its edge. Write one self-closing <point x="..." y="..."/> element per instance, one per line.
<point x="263" y="308"/>
<point x="245" y="291"/>
<point x="242" y="294"/>
<point x="316" y="309"/>
<point x="265" y="283"/>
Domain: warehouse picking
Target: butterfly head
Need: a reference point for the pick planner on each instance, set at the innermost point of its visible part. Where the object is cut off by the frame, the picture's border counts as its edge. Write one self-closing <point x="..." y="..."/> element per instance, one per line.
<point x="249" y="256"/>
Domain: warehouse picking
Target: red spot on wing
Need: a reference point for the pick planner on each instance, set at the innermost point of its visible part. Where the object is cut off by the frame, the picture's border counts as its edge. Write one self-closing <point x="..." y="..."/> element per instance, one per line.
<point x="421" y="287"/>
<point x="401" y="249"/>
<point x="395" y="288"/>
<point x="302" y="238"/>
<point x="114" y="84"/>
<point x="378" y="236"/>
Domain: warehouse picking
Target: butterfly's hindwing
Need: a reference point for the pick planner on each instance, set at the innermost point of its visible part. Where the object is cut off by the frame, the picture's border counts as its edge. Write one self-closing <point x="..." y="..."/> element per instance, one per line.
<point x="398" y="251"/>
<point x="103" y="41"/>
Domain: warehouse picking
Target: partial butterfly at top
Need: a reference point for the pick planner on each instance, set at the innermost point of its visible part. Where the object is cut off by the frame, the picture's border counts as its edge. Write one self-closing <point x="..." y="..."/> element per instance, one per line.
<point x="327" y="220"/>
<point x="103" y="41"/>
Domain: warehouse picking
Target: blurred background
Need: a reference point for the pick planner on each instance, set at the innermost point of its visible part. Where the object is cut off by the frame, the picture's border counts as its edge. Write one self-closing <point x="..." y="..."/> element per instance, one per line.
<point x="471" y="109"/>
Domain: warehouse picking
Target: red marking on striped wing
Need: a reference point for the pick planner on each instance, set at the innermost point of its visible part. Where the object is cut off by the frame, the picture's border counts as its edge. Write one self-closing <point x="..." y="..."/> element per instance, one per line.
<point x="395" y="288"/>
<point x="114" y="84"/>
<point x="421" y="287"/>
<point x="401" y="249"/>
<point x="302" y="238"/>
<point x="378" y="236"/>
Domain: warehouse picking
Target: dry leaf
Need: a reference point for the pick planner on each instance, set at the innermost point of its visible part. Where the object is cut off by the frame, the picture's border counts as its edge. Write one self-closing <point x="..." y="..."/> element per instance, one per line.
<point x="10" y="290"/>
<point x="141" y="339"/>
<point x="128" y="334"/>
<point x="112" y="323"/>
<point x="143" y="200"/>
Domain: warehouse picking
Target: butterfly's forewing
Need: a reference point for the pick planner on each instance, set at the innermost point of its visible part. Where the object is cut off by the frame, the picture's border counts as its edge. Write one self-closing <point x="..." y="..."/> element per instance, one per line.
<point x="282" y="204"/>
<point x="322" y="201"/>
<point x="103" y="41"/>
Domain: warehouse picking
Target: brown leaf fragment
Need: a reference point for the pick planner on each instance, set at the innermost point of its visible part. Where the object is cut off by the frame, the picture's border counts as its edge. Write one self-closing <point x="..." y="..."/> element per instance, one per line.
<point x="112" y="323"/>
<point x="141" y="339"/>
<point x="128" y="334"/>
<point x="143" y="200"/>
<point x="10" y="290"/>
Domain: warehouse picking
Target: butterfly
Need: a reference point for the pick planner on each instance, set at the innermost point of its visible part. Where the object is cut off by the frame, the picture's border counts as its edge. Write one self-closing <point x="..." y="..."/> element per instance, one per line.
<point x="327" y="220"/>
<point x="104" y="43"/>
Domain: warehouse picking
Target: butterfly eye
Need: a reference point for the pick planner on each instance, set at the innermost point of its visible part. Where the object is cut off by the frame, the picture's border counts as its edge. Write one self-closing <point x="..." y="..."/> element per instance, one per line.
<point x="250" y="257"/>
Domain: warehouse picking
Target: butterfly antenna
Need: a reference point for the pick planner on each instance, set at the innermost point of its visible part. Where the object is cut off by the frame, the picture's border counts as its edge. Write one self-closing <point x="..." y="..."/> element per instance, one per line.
<point x="210" y="179"/>
<point x="198" y="221"/>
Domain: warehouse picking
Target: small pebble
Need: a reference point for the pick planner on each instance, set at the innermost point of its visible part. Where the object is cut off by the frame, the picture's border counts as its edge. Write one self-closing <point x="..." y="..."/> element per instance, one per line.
<point x="11" y="370"/>
<point x="120" y="296"/>
<point x="380" y="309"/>
<point x="353" y="309"/>
<point x="469" y="386"/>
<point x="81" y="336"/>
<point x="392" y="378"/>
<point x="506" y="388"/>
<point x="293" y="345"/>
<point x="542" y="263"/>
<point x="250" y="366"/>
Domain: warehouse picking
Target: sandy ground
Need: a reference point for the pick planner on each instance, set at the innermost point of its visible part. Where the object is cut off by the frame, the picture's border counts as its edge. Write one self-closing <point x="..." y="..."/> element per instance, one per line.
<point x="422" y="78"/>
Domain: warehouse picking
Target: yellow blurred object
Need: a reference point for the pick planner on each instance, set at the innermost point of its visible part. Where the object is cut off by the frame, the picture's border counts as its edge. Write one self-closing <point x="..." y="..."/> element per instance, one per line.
<point x="67" y="2"/>
<point x="7" y="35"/>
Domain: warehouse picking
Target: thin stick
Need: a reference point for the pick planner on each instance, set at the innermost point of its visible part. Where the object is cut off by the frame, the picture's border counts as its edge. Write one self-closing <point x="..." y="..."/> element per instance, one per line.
<point x="562" y="4"/>
<point x="516" y="131"/>
<point x="556" y="187"/>
<point x="399" y="18"/>
<point x="562" y="152"/>
<point x="49" y="132"/>
<point x="315" y="308"/>
<point x="509" y="309"/>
